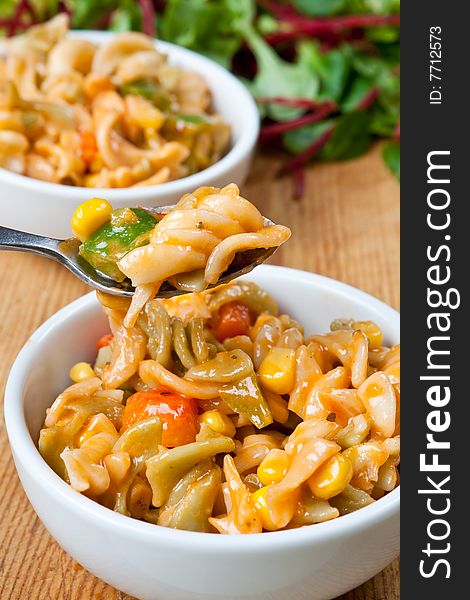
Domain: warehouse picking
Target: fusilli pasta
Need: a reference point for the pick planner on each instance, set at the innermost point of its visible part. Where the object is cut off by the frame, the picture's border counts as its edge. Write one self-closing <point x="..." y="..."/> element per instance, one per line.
<point x="186" y="428"/>
<point x="114" y="115"/>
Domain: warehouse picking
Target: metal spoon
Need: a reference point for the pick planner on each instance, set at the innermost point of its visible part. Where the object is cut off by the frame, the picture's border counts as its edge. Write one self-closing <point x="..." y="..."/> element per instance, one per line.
<point x="66" y="253"/>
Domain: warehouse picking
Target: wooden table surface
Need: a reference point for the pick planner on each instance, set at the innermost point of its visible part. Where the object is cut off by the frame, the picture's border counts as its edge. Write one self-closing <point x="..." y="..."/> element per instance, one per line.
<point x="347" y="227"/>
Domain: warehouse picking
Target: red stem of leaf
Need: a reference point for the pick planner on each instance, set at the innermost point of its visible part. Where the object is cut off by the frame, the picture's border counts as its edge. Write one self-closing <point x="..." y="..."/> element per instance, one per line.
<point x="15" y="22"/>
<point x="300" y="159"/>
<point x="103" y="22"/>
<point x="368" y="99"/>
<point x="396" y="133"/>
<point x="336" y="24"/>
<point x="278" y="10"/>
<point x="273" y="130"/>
<point x="282" y="36"/>
<point x="298" y="181"/>
<point x="148" y="17"/>
<point x="330" y="28"/>
<point x="65" y="8"/>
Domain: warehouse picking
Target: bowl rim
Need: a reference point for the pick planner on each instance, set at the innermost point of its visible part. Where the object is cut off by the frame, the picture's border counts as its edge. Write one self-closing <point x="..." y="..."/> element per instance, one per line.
<point x="26" y="452"/>
<point x="249" y="118"/>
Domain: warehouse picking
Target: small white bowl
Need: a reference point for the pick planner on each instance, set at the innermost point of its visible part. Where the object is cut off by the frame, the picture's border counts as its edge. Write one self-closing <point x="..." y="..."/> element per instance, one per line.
<point x="317" y="562"/>
<point x="45" y="208"/>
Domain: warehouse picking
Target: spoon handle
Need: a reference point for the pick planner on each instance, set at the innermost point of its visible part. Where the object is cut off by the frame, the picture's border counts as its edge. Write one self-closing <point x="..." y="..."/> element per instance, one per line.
<point x="12" y="239"/>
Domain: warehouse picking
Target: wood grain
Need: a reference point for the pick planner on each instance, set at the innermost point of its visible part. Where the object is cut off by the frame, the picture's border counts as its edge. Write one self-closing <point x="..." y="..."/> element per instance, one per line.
<point x="347" y="228"/>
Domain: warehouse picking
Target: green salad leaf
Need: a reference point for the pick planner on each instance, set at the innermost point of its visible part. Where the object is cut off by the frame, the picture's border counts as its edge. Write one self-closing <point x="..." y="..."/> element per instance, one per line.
<point x="333" y="69"/>
<point x="87" y="13"/>
<point x="127" y="17"/>
<point x="213" y="27"/>
<point x="391" y="155"/>
<point x="328" y="8"/>
<point x="350" y="138"/>
<point x="358" y="90"/>
<point x="298" y="140"/>
<point x="276" y="77"/>
<point x="42" y="8"/>
<point x="321" y="8"/>
<point x="313" y="65"/>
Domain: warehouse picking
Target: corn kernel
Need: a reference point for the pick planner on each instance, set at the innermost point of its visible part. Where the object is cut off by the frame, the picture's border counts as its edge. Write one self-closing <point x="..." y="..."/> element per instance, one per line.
<point x="218" y="422"/>
<point x="260" y="500"/>
<point x="372" y="331"/>
<point x="331" y="478"/>
<point x="274" y="467"/>
<point x="277" y="371"/>
<point x="89" y="216"/>
<point x="81" y="372"/>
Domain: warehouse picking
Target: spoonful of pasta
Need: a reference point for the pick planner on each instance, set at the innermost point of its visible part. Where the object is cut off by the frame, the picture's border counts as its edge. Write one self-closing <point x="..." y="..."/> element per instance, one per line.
<point x="208" y="238"/>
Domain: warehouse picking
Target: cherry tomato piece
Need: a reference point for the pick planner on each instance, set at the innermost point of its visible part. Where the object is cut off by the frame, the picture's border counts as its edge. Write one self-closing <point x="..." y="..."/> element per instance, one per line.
<point x="178" y="414"/>
<point x="234" y="319"/>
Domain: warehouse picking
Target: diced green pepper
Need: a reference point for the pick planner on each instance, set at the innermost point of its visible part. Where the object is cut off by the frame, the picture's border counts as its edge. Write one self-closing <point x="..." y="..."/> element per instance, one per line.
<point x="245" y="398"/>
<point x="197" y="119"/>
<point x="178" y="126"/>
<point x="127" y="229"/>
<point x="149" y="90"/>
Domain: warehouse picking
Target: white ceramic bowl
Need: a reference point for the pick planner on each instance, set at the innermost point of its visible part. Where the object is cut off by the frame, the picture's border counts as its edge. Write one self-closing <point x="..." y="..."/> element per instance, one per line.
<point x="317" y="562"/>
<point x="46" y="208"/>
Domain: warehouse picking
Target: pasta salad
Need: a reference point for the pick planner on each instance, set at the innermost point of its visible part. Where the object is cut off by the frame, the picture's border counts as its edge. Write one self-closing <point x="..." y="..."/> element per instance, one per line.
<point x="215" y="413"/>
<point x="110" y="116"/>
